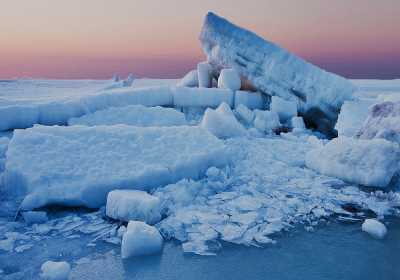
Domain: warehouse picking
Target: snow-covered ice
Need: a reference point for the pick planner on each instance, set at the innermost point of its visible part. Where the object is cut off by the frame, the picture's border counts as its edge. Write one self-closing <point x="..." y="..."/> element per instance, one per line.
<point x="55" y="270"/>
<point x="79" y="165"/>
<point x="245" y="114"/>
<point x="202" y="97"/>
<point x="275" y="71"/>
<point x="229" y="79"/>
<point x="35" y="217"/>
<point x="383" y="122"/>
<point x="252" y="100"/>
<point x="222" y="123"/>
<point x="137" y="115"/>
<point x="297" y="123"/>
<point x="204" y="74"/>
<point x="285" y="109"/>
<point x="189" y="80"/>
<point x="365" y="162"/>
<point x="126" y="205"/>
<point x="140" y="239"/>
<point x="375" y="228"/>
<point x="266" y="121"/>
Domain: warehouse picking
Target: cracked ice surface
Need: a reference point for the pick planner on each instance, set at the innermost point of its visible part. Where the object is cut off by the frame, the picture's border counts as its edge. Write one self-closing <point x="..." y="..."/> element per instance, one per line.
<point x="266" y="190"/>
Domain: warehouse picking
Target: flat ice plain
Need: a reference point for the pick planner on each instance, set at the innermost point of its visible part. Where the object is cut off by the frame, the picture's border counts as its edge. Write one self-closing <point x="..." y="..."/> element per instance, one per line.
<point x="265" y="198"/>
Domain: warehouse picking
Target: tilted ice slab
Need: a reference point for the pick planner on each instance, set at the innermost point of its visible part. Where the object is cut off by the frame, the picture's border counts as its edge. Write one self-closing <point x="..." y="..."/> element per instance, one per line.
<point x="59" y="111"/>
<point x="274" y="71"/>
<point x="267" y="190"/>
<point x="136" y="115"/>
<point x="383" y="122"/>
<point x="79" y="165"/>
<point x="365" y="162"/>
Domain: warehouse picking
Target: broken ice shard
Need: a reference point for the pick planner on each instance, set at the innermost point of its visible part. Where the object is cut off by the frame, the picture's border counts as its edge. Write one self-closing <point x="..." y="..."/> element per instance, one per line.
<point x="274" y="71"/>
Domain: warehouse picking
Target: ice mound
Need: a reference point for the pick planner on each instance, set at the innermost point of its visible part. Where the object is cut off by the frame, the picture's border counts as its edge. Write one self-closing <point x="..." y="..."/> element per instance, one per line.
<point x="136" y="115"/>
<point x="204" y="74"/>
<point x="60" y="111"/>
<point x="79" y="165"/>
<point x="55" y="270"/>
<point x="366" y="162"/>
<point x="252" y="100"/>
<point x="35" y="217"/>
<point x="189" y="80"/>
<point x="266" y="121"/>
<point x="285" y="109"/>
<point x="140" y="239"/>
<point x="383" y="122"/>
<point x="126" y="205"/>
<point x="229" y="79"/>
<point x="222" y="122"/>
<point x="374" y="228"/>
<point x="352" y="116"/>
<point x="274" y="71"/>
<point x="202" y="97"/>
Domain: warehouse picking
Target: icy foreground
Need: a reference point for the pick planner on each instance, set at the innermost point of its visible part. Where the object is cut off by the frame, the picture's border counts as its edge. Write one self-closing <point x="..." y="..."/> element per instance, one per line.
<point x="274" y="71"/>
<point x="374" y="228"/>
<point x="79" y="165"/>
<point x="55" y="270"/>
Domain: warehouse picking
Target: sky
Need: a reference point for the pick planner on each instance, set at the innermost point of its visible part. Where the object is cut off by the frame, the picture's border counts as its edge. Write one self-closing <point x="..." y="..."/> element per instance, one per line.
<point x="96" y="38"/>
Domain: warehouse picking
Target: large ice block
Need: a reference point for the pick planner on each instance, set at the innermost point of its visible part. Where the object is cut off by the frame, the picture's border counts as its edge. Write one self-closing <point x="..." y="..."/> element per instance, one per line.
<point x="274" y="71"/>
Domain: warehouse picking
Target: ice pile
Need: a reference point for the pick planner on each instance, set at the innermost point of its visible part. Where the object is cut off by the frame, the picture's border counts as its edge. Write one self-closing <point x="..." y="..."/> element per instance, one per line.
<point x="137" y="115"/>
<point x="126" y="205"/>
<point x="3" y="148"/>
<point x="222" y="122"/>
<point x="374" y="228"/>
<point x="383" y="122"/>
<point x="366" y="162"/>
<point x="55" y="270"/>
<point x="274" y="71"/>
<point x="79" y="165"/>
<point x="140" y="239"/>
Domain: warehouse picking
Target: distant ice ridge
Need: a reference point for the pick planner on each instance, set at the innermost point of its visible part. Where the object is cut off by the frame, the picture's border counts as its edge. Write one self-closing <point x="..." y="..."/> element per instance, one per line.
<point x="274" y="71"/>
<point x="79" y="165"/>
<point x="137" y="115"/>
<point x="265" y="191"/>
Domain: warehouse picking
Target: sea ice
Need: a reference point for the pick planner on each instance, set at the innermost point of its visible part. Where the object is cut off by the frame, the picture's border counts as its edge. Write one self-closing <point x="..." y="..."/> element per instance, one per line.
<point x="126" y="205"/>
<point x="55" y="270"/>
<point x="136" y="115"/>
<point x="189" y="80"/>
<point x="140" y="239"/>
<point x="365" y="162"/>
<point x="204" y="74"/>
<point x="274" y="71"/>
<point x="202" y="97"/>
<point x="374" y="228"/>
<point x="79" y="165"/>
<point x="244" y="114"/>
<point x="222" y="122"/>
<point x="35" y="217"/>
<point x="383" y="122"/>
<point x="252" y="100"/>
<point x="285" y="109"/>
<point x="229" y="79"/>
<point x="297" y="123"/>
<point x="266" y="121"/>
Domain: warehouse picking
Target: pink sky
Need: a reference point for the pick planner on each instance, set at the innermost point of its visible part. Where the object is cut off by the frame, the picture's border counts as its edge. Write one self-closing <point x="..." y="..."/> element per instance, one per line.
<point x="95" y="38"/>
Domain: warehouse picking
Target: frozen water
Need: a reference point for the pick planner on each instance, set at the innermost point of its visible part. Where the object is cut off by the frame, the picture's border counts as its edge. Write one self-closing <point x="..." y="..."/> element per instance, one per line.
<point x="35" y="217"/>
<point x="202" y="97"/>
<point x="79" y="165"/>
<point x="374" y="228"/>
<point x="252" y="100"/>
<point x="136" y="115"/>
<point x="266" y="121"/>
<point x="204" y="74"/>
<point x="55" y="270"/>
<point x="189" y="80"/>
<point x="222" y="122"/>
<point x="275" y="71"/>
<point x="126" y="205"/>
<point x="140" y="239"/>
<point x="365" y="162"/>
<point x="285" y="109"/>
<point x="229" y="79"/>
<point x="244" y="114"/>
<point x="297" y="123"/>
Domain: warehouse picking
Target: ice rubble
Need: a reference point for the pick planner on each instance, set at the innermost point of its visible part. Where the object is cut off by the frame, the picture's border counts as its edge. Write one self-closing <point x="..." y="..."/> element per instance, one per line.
<point x="285" y="109"/>
<point x="140" y="239"/>
<point x="383" y="122"/>
<point x="35" y="217"/>
<point x="267" y="190"/>
<point x="274" y="71"/>
<point x="126" y="205"/>
<point x="136" y="115"/>
<point x="202" y="97"/>
<point x="252" y="100"/>
<point x="204" y="74"/>
<point x="189" y="80"/>
<point x="374" y="228"/>
<point x="229" y="79"/>
<point x="222" y="122"/>
<point x="55" y="270"/>
<point x="79" y="165"/>
<point x="365" y="162"/>
<point x="266" y="121"/>
<point x="3" y="148"/>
